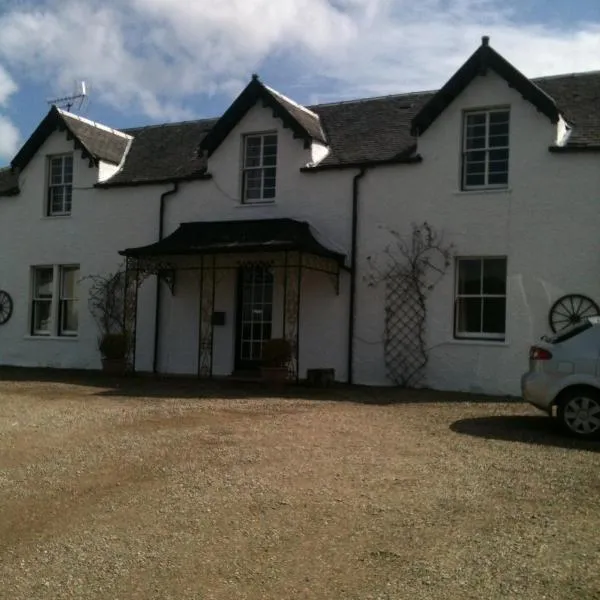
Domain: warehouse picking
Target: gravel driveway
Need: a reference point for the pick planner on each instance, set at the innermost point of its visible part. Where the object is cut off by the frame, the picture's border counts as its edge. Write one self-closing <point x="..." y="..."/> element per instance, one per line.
<point x="142" y="490"/>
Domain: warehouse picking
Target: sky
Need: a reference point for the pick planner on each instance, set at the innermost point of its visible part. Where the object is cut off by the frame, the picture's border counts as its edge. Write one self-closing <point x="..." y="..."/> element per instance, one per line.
<point x="153" y="61"/>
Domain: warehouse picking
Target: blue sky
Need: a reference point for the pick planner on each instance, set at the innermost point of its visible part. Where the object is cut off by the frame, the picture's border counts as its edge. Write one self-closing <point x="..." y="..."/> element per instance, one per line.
<point x="149" y="61"/>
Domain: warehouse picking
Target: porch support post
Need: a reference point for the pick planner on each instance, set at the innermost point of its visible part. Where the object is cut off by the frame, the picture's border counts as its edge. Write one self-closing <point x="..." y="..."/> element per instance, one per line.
<point x="201" y="295"/>
<point x="285" y="286"/>
<point x="134" y="322"/>
<point x="212" y="310"/>
<point x="299" y="292"/>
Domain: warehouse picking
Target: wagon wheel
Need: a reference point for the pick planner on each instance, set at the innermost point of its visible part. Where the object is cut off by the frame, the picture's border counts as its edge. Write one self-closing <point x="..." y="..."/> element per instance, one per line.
<point x="6" y="307"/>
<point x="570" y="310"/>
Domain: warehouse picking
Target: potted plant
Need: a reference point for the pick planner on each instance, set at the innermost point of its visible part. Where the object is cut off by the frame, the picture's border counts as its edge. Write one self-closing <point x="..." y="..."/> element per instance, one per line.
<point x="276" y="357"/>
<point x="113" y="348"/>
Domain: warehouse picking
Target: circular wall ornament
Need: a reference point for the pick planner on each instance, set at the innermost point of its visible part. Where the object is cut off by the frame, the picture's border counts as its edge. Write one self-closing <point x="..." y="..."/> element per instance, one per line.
<point x="570" y="310"/>
<point x="6" y="307"/>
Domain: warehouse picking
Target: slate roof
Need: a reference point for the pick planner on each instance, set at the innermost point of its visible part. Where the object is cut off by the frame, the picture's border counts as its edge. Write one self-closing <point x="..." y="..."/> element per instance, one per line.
<point x="225" y="237"/>
<point x="101" y="143"/>
<point x="371" y="131"/>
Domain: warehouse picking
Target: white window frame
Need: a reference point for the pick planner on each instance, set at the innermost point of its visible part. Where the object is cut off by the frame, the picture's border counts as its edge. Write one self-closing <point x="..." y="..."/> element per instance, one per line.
<point x="261" y="167"/>
<point x="56" y="300"/>
<point x="487" y="112"/>
<point x="478" y="335"/>
<point x="49" y="210"/>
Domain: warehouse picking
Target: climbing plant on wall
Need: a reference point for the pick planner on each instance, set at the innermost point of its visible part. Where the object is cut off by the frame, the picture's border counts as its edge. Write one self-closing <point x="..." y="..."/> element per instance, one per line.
<point x="409" y="267"/>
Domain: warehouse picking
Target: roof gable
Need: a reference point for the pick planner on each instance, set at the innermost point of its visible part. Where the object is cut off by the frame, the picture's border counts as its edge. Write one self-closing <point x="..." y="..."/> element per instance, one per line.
<point x="96" y="142"/>
<point x="304" y="123"/>
<point x="480" y="61"/>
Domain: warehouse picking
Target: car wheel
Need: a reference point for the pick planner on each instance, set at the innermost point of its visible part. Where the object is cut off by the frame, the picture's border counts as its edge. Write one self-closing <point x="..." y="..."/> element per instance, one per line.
<point x="579" y="413"/>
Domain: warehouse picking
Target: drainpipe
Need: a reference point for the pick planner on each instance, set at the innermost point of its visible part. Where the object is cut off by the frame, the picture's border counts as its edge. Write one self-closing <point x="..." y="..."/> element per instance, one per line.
<point x="353" y="273"/>
<point x="157" y="303"/>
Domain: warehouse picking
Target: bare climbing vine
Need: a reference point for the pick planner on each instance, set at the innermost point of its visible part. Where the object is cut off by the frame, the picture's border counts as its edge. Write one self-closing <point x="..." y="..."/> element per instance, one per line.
<point x="409" y="267"/>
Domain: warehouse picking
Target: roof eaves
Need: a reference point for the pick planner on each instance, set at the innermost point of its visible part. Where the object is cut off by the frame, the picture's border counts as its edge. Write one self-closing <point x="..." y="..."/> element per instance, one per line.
<point x="570" y="148"/>
<point x="402" y="160"/>
<point x="150" y="181"/>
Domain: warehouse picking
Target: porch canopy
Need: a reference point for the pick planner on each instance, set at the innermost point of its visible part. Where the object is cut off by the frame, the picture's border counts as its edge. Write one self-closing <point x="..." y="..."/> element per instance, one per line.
<point x="238" y="237"/>
<point x="279" y="243"/>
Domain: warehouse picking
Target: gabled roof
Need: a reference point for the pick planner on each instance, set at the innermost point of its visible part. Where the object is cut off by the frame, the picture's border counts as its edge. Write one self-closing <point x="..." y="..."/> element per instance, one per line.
<point x="97" y="142"/>
<point x="303" y="122"/>
<point x="481" y="60"/>
<point x="227" y="237"/>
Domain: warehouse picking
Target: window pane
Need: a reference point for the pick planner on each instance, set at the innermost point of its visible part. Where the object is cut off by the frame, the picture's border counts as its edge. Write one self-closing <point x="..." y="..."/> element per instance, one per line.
<point x="271" y="140"/>
<point x="68" y="170"/>
<point x="67" y="204"/>
<point x="469" y="276"/>
<point x="498" y="178"/>
<point x="498" y="155"/>
<point x="476" y="119"/>
<point x="496" y="141"/>
<point x="474" y="180"/>
<point x="69" y="316"/>
<point x="70" y="277"/>
<point x="43" y="282"/>
<point x="494" y="276"/>
<point x="41" y="315"/>
<point x="475" y="142"/>
<point x="270" y="160"/>
<point x="475" y="167"/>
<point x="468" y="317"/>
<point x="56" y="199"/>
<point x="499" y="117"/>
<point x="494" y="315"/>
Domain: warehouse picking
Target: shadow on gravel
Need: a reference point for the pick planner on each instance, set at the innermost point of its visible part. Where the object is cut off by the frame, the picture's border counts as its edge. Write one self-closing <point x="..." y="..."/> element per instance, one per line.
<point x="529" y="429"/>
<point x="160" y="387"/>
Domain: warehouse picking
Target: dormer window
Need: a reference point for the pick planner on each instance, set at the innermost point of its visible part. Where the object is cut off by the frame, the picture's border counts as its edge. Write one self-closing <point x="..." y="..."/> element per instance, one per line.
<point x="60" y="185"/>
<point x="485" y="149"/>
<point x="259" y="168"/>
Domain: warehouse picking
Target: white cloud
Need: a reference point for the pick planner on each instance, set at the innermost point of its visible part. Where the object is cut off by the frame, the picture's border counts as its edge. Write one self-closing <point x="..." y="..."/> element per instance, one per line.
<point x="158" y="57"/>
<point x="9" y="134"/>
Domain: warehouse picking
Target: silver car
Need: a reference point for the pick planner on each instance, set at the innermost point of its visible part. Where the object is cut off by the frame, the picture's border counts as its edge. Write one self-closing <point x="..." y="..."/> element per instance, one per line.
<point x="564" y="378"/>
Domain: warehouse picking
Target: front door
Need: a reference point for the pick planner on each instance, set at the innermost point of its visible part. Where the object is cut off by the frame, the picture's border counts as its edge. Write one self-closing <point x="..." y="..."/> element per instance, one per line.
<point x="254" y="315"/>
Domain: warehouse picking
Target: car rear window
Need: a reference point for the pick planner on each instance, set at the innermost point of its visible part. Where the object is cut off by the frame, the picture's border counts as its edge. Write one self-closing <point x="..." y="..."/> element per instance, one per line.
<point x="568" y="332"/>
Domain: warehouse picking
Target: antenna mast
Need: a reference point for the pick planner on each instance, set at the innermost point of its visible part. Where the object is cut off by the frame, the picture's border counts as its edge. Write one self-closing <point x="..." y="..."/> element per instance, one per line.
<point x="78" y="99"/>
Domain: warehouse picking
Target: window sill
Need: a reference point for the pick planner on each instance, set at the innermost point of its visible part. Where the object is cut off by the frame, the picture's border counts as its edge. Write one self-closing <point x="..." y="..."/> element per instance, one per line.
<point x="53" y="217"/>
<point x="475" y="192"/>
<point x="54" y="338"/>
<point x="255" y="204"/>
<point x="478" y="342"/>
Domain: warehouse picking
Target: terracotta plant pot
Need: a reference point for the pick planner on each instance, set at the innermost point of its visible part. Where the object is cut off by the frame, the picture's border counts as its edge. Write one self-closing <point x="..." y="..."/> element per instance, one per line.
<point x="274" y="373"/>
<point x="114" y="366"/>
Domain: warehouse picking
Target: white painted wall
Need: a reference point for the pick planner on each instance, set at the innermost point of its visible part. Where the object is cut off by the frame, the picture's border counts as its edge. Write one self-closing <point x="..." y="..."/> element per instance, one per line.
<point x="101" y="223"/>
<point x="546" y="223"/>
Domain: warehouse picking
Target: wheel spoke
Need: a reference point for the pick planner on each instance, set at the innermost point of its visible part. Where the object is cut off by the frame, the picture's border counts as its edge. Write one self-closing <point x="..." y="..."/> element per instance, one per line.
<point x="595" y="421"/>
<point x="585" y="403"/>
<point x="595" y="409"/>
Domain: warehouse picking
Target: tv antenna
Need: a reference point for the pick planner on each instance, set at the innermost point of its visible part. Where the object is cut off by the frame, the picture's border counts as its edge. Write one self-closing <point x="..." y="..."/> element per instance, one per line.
<point x="77" y="100"/>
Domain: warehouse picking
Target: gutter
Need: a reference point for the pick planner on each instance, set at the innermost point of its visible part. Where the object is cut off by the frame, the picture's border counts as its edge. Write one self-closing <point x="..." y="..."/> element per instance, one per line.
<point x="157" y="304"/>
<point x="353" y="272"/>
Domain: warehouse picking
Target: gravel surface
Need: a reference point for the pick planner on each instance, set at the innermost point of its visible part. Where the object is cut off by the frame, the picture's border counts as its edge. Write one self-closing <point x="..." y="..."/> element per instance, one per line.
<point x="142" y="490"/>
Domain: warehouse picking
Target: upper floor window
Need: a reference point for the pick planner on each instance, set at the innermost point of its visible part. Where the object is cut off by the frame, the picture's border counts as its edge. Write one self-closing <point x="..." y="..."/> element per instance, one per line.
<point x="260" y="167"/>
<point x="54" y="300"/>
<point x="60" y="185"/>
<point x="485" y="149"/>
<point x="480" y="301"/>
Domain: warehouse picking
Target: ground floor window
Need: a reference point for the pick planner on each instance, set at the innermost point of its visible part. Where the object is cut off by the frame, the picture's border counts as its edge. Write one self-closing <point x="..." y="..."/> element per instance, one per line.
<point x="480" y="299"/>
<point x="54" y="300"/>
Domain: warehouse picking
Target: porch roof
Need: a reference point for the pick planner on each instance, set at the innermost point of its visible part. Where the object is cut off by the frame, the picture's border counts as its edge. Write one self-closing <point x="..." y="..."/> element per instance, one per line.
<point x="244" y="236"/>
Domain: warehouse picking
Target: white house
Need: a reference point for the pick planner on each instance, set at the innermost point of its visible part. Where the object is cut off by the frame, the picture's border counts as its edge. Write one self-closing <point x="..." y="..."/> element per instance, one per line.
<point x="275" y="219"/>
